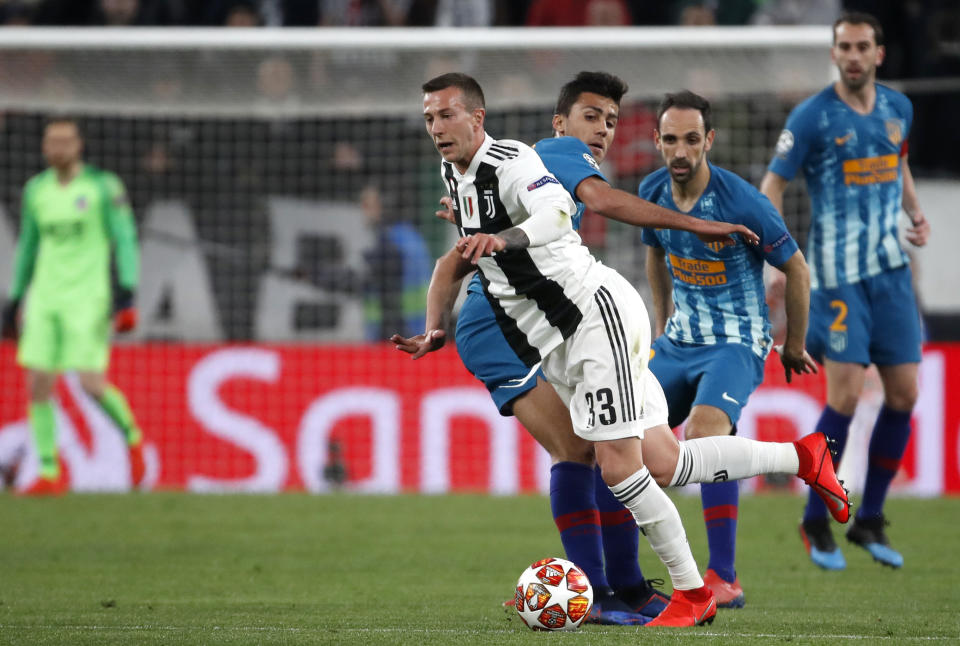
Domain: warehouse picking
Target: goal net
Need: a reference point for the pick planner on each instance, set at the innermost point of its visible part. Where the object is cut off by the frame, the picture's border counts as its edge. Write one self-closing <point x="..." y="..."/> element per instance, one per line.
<point x="259" y="163"/>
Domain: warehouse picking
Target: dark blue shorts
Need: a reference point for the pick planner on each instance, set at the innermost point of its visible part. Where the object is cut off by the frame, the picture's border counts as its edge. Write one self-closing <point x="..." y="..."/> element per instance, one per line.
<point x="485" y="352"/>
<point x="875" y="320"/>
<point x="723" y="375"/>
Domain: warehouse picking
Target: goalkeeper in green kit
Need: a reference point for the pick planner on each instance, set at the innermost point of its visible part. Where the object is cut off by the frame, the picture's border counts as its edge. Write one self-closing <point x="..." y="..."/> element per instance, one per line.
<point x="73" y="216"/>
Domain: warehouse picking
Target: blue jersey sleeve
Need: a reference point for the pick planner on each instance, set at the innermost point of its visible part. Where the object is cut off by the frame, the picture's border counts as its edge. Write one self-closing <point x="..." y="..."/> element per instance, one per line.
<point x="569" y="160"/>
<point x="794" y="142"/>
<point x="906" y="109"/>
<point x="776" y="243"/>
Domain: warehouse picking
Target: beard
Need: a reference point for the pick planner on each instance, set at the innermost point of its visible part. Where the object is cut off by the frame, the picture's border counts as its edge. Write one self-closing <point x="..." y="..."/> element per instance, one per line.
<point x="691" y="171"/>
<point x="856" y="83"/>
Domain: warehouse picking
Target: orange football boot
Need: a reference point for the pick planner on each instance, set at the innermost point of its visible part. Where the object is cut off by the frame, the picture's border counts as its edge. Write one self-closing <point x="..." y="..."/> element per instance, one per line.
<point x="816" y="469"/>
<point x="728" y="595"/>
<point x="688" y="608"/>
<point x="49" y="486"/>
<point x="138" y="468"/>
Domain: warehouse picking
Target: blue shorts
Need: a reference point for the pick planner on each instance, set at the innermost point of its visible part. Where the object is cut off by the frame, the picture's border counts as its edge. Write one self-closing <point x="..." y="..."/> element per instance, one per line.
<point x="485" y="352"/>
<point x="723" y="375"/>
<point x="875" y="320"/>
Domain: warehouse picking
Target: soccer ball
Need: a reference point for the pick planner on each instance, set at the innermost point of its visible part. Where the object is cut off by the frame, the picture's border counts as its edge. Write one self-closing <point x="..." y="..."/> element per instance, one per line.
<point x="553" y="594"/>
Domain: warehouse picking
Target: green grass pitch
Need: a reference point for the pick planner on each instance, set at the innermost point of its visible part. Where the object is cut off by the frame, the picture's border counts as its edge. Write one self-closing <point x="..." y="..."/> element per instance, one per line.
<point x="170" y="568"/>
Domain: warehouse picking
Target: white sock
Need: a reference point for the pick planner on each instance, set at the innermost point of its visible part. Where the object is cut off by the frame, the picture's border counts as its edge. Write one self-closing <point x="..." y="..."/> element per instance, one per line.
<point x="659" y="521"/>
<point x="728" y="457"/>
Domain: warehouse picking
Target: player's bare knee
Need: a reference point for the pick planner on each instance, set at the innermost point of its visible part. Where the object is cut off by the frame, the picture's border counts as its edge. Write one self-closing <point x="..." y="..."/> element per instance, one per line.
<point x="40" y="385"/>
<point x="92" y="384"/>
<point x="661" y="470"/>
<point x="574" y="450"/>
<point x="902" y="400"/>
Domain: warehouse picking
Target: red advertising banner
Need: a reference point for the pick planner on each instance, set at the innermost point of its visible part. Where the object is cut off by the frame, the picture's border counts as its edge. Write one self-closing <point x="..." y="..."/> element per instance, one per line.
<point x="271" y="418"/>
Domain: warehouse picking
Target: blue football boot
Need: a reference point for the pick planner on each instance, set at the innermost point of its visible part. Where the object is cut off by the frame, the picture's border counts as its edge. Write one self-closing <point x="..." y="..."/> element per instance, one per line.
<point x="643" y="598"/>
<point x="819" y="543"/>
<point x="868" y="533"/>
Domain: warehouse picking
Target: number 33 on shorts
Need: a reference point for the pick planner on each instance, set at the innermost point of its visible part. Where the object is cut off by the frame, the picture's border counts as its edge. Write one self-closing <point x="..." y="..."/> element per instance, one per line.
<point x="600" y="404"/>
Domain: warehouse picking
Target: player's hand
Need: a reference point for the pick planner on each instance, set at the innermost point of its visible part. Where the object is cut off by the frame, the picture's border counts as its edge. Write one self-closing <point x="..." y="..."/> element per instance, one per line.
<point x="724" y="232"/>
<point x="475" y="247"/>
<point x="919" y="232"/>
<point x="446" y="213"/>
<point x="419" y="345"/>
<point x="10" y="314"/>
<point x="125" y="314"/>
<point x="799" y="362"/>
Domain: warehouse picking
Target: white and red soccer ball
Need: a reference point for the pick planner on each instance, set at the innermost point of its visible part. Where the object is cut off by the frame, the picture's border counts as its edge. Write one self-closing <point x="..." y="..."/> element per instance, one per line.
<point x="553" y="594"/>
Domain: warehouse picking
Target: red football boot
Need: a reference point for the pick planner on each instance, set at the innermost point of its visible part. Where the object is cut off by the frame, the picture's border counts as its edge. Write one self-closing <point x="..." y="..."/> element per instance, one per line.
<point x="816" y="469"/>
<point x="49" y="486"/>
<point x="728" y="595"/>
<point x="688" y="608"/>
<point x="138" y="468"/>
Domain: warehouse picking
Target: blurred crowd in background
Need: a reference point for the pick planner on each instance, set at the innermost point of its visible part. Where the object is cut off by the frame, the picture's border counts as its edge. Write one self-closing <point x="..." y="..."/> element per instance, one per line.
<point x="909" y="17"/>
<point x="226" y="169"/>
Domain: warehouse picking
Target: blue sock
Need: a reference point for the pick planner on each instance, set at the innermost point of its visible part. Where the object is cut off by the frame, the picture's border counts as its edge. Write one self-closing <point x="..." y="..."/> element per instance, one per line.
<point x="887" y="444"/>
<point x="621" y="536"/>
<point x="835" y="426"/>
<point x="720" y="500"/>
<point x="575" y="513"/>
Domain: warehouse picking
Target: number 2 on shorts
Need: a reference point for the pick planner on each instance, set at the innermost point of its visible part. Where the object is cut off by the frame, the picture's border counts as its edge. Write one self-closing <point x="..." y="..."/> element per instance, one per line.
<point x="838" y="324"/>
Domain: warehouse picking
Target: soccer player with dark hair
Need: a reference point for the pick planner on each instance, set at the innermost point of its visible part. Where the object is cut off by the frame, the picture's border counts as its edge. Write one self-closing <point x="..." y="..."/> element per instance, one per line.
<point x="580" y="326"/>
<point x="709" y="354"/>
<point x="850" y="139"/>
<point x="73" y="215"/>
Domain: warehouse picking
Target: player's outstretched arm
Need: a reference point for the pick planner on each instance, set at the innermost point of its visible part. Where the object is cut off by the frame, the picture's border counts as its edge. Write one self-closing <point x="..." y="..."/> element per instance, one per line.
<point x="773" y="186"/>
<point x="448" y="273"/>
<point x="919" y="231"/>
<point x="621" y="206"/>
<point x="794" y="357"/>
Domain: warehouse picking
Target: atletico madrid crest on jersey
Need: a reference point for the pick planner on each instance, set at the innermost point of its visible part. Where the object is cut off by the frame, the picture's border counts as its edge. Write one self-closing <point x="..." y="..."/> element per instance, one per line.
<point x="894" y="131"/>
<point x="838" y="340"/>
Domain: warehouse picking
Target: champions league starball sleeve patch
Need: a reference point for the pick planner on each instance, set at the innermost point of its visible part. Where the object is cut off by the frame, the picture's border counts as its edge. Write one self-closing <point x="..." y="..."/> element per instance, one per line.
<point x="784" y="144"/>
<point x="546" y="179"/>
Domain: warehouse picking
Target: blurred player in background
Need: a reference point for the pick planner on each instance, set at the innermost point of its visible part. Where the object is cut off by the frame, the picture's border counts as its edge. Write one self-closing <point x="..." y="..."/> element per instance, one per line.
<point x="539" y="295"/>
<point x="398" y="270"/>
<point x="851" y="142"/>
<point x="72" y="216"/>
<point x="709" y="355"/>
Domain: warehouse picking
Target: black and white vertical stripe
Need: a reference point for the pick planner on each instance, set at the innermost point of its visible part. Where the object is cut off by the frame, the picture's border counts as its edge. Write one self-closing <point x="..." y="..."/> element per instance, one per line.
<point x="620" y="351"/>
<point x="627" y="492"/>
<point x="451" y="181"/>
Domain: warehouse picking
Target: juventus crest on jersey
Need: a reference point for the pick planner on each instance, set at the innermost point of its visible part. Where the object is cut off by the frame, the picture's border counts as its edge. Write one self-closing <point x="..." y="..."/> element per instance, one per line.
<point x="539" y="293"/>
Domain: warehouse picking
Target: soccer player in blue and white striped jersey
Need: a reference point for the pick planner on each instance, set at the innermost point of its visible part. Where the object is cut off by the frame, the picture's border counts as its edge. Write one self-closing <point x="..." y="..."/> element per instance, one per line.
<point x="850" y="140"/>
<point x="709" y="354"/>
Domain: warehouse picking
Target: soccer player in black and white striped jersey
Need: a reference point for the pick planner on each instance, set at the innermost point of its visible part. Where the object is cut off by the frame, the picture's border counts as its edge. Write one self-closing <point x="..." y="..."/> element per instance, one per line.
<point x="587" y="326"/>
